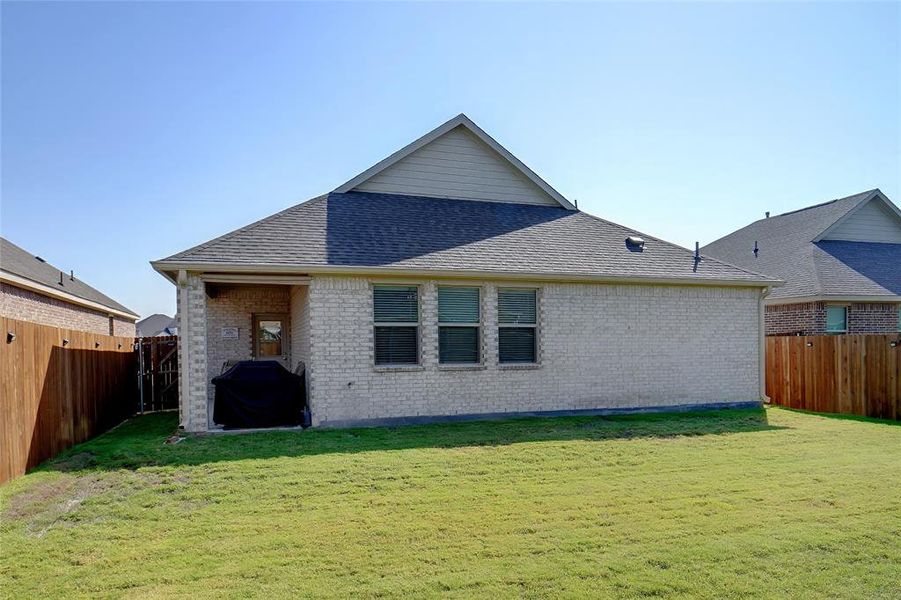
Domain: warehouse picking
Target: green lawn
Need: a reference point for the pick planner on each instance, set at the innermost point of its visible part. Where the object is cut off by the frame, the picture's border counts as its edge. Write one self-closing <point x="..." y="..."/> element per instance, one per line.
<point x="723" y="504"/>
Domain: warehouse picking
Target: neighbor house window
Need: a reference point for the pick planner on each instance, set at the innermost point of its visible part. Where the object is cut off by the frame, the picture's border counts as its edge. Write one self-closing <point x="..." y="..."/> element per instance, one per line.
<point x="396" y="316"/>
<point x="517" y="332"/>
<point x="836" y="319"/>
<point x="458" y="325"/>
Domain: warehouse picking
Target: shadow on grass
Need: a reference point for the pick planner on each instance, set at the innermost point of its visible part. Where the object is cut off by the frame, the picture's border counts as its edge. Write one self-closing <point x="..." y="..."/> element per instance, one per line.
<point x="841" y="416"/>
<point x="139" y="442"/>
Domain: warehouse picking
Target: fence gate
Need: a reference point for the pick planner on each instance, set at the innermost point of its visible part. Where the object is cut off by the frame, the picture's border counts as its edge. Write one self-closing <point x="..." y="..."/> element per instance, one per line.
<point x="158" y="373"/>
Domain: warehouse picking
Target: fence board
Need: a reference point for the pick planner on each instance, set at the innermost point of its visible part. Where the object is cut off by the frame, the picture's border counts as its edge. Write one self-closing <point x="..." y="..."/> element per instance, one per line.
<point x="850" y="374"/>
<point x="55" y="395"/>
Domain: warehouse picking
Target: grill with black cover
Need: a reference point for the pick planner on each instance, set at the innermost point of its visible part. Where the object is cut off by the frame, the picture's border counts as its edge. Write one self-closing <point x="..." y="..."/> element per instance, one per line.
<point x="254" y="394"/>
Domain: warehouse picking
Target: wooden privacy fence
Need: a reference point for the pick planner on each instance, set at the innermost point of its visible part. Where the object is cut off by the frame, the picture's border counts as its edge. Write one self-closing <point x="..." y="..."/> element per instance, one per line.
<point x="158" y="377"/>
<point x="851" y="374"/>
<point x="59" y="387"/>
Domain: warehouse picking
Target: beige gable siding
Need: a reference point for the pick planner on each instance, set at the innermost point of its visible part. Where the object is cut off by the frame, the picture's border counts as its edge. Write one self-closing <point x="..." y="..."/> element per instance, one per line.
<point x="871" y="223"/>
<point x="457" y="165"/>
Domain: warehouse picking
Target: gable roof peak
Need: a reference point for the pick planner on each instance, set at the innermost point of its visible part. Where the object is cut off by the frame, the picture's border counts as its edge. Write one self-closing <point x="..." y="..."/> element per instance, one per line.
<point x="506" y="158"/>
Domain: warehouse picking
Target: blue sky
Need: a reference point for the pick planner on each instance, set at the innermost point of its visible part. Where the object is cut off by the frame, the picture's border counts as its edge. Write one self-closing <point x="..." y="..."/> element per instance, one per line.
<point x="131" y="131"/>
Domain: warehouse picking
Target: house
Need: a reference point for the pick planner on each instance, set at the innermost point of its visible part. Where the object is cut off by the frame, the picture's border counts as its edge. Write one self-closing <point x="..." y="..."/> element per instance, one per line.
<point x="33" y="290"/>
<point x="157" y="325"/>
<point x="449" y="280"/>
<point x="841" y="262"/>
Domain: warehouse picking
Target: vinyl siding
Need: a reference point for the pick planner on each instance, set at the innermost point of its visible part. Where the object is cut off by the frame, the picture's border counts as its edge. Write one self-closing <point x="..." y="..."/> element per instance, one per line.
<point x="457" y="165"/>
<point x="871" y="223"/>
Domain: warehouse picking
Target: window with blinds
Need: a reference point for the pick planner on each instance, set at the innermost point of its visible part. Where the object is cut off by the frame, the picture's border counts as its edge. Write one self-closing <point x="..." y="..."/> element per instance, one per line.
<point x="459" y="318"/>
<point x="396" y="316"/>
<point x="517" y="319"/>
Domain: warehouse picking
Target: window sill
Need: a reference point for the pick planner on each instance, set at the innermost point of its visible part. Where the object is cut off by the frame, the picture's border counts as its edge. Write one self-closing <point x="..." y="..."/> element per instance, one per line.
<point x="518" y="366"/>
<point x="397" y="368"/>
<point x="461" y="367"/>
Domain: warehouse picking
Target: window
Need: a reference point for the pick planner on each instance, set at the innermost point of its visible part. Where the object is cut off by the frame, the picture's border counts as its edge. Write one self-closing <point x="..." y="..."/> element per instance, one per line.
<point x="458" y="325"/>
<point x="517" y="333"/>
<point x="836" y="319"/>
<point x="396" y="316"/>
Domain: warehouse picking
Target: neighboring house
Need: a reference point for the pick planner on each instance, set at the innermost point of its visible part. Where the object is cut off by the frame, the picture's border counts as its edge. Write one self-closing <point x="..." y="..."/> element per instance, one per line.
<point x="157" y="325"/>
<point x="33" y="290"/>
<point x="841" y="262"/>
<point x="449" y="279"/>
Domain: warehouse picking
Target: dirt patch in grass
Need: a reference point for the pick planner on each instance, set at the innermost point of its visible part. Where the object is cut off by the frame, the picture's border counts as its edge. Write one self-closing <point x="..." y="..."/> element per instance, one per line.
<point x="53" y="503"/>
<point x="76" y="462"/>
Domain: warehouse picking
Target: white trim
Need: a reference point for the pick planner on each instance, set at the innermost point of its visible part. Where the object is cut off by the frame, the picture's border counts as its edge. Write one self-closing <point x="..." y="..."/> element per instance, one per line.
<point x="162" y="266"/>
<point x="28" y="284"/>
<point x="888" y="299"/>
<point x="875" y="194"/>
<point x="259" y="279"/>
<point x="460" y="120"/>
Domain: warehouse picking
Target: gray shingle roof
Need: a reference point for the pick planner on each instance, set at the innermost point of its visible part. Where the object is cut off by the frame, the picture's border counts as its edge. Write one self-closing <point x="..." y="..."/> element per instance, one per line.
<point x="404" y="232"/>
<point x="787" y="251"/>
<point x="18" y="261"/>
<point x="155" y="324"/>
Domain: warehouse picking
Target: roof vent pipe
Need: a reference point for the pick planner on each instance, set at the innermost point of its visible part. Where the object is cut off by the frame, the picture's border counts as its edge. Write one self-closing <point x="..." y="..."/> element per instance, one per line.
<point x="697" y="252"/>
<point x="767" y="214"/>
<point x="71" y="274"/>
<point x="755" y="248"/>
<point x="633" y="241"/>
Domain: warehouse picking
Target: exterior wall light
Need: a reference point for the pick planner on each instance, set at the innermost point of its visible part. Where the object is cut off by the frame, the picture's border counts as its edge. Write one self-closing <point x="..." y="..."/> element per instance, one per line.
<point x="10" y="336"/>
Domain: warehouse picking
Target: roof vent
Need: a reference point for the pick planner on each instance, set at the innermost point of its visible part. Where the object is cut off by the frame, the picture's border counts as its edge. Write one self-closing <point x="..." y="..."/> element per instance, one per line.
<point x="633" y="242"/>
<point x="40" y="259"/>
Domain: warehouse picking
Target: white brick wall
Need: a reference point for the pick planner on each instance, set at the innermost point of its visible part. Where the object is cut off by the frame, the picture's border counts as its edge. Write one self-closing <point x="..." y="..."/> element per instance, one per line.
<point x="192" y="354"/>
<point x="234" y="306"/>
<point x="601" y="346"/>
<point x="300" y="325"/>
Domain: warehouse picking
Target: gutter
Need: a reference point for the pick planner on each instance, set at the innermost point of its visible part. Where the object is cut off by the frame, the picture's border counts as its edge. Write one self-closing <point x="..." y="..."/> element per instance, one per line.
<point x="168" y="268"/>
<point x="46" y="290"/>
<point x="834" y="298"/>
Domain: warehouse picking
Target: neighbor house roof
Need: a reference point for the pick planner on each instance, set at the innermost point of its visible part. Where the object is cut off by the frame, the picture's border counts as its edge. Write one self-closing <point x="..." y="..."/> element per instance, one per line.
<point x="793" y="247"/>
<point x="23" y="269"/>
<point x="156" y="324"/>
<point x="370" y="233"/>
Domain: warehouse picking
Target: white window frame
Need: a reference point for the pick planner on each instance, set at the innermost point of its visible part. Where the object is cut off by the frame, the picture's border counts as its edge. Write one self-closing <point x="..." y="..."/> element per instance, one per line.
<point x="844" y="307"/>
<point x="416" y="324"/>
<point x="519" y="325"/>
<point x="477" y="325"/>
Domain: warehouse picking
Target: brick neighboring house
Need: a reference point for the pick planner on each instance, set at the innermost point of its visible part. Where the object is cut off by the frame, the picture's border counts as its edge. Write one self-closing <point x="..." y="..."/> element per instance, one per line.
<point x="841" y="262"/>
<point x="450" y="281"/>
<point x="33" y="290"/>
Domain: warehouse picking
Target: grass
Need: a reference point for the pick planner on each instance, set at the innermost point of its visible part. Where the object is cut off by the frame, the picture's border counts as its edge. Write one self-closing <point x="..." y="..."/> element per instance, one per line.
<point x="722" y="504"/>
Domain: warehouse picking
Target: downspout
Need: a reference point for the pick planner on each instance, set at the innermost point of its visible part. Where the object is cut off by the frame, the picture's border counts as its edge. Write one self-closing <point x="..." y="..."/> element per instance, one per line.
<point x="761" y="343"/>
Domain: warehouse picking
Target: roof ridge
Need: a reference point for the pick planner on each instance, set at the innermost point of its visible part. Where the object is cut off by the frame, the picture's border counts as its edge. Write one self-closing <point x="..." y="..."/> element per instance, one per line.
<point x="797" y="210"/>
<point x="673" y="245"/>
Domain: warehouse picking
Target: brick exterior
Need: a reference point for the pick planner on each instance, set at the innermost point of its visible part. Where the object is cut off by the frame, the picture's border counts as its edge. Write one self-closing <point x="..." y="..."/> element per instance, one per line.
<point x="809" y="318"/>
<point x="192" y="354"/>
<point x="234" y="306"/>
<point x="300" y="325"/>
<point x="26" y="305"/>
<point x="600" y="346"/>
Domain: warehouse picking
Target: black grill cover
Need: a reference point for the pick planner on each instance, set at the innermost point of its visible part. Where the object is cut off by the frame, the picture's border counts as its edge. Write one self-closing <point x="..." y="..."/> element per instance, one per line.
<point x="260" y="393"/>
